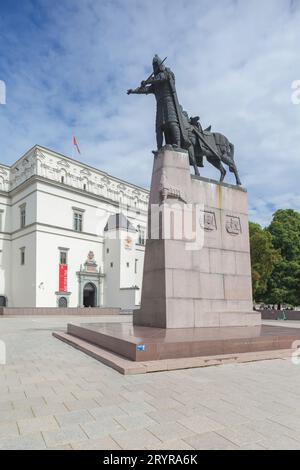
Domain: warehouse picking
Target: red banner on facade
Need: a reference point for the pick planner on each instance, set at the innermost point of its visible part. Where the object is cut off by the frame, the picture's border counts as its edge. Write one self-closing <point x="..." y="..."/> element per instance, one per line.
<point x="63" y="278"/>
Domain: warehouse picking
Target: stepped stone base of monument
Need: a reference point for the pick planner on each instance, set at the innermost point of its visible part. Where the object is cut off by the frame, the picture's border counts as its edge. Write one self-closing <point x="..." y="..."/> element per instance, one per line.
<point x="196" y="302"/>
<point x="135" y="350"/>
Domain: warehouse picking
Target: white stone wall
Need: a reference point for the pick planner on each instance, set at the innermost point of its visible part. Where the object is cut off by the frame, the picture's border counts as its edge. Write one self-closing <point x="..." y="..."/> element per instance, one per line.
<point x="23" y="278"/>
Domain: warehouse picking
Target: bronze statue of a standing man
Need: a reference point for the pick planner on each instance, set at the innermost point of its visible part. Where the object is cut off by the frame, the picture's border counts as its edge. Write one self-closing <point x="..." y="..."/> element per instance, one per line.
<point x="169" y="121"/>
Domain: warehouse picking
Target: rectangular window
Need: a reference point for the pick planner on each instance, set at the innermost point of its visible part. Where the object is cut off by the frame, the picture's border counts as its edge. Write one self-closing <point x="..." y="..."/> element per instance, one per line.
<point x="135" y="266"/>
<point x="22" y="216"/>
<point x="141" y="239"/>
<point x="1" y="220"/>
<point x="78" y="221"/>
<point x="63" y="257"/>
<point x="22" y="255"/>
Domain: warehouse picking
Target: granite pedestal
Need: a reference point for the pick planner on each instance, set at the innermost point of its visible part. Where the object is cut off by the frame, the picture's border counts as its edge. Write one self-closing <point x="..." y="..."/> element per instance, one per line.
<point x="197" y="270"/>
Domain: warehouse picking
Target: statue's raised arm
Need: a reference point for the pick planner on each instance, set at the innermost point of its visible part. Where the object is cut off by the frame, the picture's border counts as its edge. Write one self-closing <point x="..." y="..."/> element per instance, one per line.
<point x="141" y="90"/>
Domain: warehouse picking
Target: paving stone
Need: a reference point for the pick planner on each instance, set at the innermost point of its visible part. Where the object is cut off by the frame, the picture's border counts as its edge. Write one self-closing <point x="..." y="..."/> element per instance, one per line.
<point x="163" y="403"/>
<point x="6" y="406"/>
<point x="177" y="444"/>
<point x="165" y="416"/>
<point x="112" y="411"/>
<point x="137" y="439"/>
<point x="85" y="404"/>
<point x="280" y="443"/>
<point x="65" y="447"/>
<point x="104" y="443"/>
<point x="241" y="435"/>
<point x="73" y="417"/>
<point x="111" y="400"/>
<point x="200" y="424"/>
<point x="254" y="446"/>
<point x="136" y="396"/>
<point x="287" y="420"/>
<point x="267" y="428"/>
<point x="132" y="408"/>
<point x="88" y="394"/>
<point x="67" y="435"/>
<point x="29" y="442"/>
<point x="227" y="418"/>
<point x="15" y="415"/>
<point x="31" y="425"/>
<point x="12" y="396"/>
<point x="101" y="428"/>
<point x="210" y="441"/>
<point x="135" y="421"/>
<point x="28" y="402"/>
<point x="170" y="431"/>
<point x="49" y="410"/>
<point x="8" y="430"/>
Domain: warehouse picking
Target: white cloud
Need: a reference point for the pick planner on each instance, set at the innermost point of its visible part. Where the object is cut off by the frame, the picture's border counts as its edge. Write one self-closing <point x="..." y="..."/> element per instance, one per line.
<point x="67" y="70"/>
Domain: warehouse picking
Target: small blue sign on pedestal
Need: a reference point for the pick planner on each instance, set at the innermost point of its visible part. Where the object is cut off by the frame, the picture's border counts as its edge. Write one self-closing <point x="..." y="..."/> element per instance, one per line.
<point x="140" y="347"/>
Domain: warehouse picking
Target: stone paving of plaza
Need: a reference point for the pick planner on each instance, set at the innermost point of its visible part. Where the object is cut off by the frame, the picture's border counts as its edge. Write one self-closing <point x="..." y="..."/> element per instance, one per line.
<point x="53" y="396"/>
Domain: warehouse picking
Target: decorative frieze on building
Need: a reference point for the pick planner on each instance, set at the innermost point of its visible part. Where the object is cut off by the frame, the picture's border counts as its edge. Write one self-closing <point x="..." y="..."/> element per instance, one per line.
<point x="55" y="167"/>
<point x="4" y="179"/>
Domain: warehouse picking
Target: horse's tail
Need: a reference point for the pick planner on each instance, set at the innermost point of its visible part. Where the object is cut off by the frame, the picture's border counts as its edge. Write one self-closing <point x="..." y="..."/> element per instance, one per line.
<point x="231" y="156"/>
<point x="231" y="150"/>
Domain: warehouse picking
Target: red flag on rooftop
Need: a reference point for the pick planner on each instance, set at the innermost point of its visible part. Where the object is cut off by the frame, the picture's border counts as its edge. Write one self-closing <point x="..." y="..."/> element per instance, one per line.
<point x="75" y="144"/>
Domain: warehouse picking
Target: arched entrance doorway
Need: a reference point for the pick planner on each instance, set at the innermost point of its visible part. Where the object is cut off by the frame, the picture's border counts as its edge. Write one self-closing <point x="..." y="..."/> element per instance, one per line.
<point x="2" y="301"/>
<point x="63" y="303"/>
<point x="90" y="295"/>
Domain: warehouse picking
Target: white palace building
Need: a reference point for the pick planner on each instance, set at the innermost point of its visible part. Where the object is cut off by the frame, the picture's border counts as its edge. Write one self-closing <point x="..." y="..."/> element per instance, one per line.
<point x="70" y="235"/>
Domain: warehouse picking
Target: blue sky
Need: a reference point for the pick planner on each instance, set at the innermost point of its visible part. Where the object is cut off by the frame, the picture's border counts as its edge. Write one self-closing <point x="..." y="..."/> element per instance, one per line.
<point x="67" y="65"/>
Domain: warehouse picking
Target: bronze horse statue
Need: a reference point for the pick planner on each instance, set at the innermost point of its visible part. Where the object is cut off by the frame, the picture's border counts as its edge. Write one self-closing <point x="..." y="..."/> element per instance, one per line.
<point x="214" y="146"/>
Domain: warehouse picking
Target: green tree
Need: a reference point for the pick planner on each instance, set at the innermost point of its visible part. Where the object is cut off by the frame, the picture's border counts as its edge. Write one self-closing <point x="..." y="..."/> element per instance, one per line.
<point x="283" y="286"/>
<point x="264" y="258"/>
<point x="284" y="283"/>
<point x="285" y="230"/>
